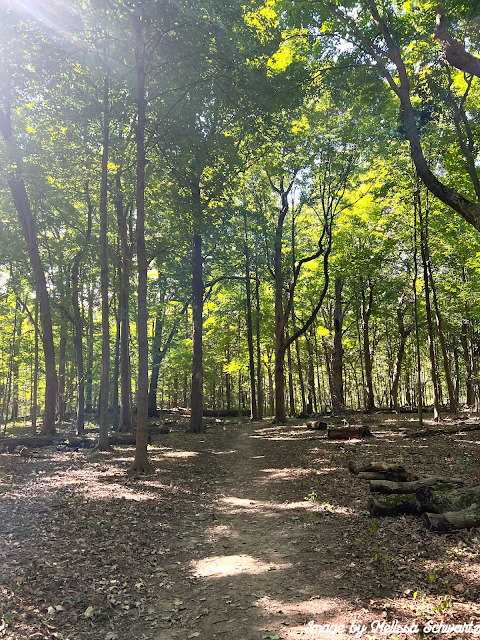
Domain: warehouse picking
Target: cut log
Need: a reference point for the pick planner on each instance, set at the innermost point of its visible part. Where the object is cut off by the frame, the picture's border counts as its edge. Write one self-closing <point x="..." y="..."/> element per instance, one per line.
<point x="385" y="486"/>
<point x="317" y="425"/>
<point x="451" y="520"/>
<point x="400" y="505"/>
<point x="392" y="472"/>
<point x="346" y="433"/>
<point x="34" y="441"/>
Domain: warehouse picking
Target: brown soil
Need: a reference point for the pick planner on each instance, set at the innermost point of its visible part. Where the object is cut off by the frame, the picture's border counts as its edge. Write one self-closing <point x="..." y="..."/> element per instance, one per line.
<point x="251" y="531"/>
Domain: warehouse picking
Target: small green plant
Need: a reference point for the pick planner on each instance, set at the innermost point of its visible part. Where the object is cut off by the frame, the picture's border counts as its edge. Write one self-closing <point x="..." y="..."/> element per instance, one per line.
<point x="374" y="527"/>
<point x="464" y="462"/>
<point x="100" y="526"/>
<point x="5" y="628"/>
<point x="386" y="563"/>
<point x="445" y="603"/>
<point x="311" y="497"/>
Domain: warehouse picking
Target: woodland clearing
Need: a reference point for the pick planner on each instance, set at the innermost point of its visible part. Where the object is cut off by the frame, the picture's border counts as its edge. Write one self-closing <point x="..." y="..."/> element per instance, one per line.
<point x="250" y="531"/>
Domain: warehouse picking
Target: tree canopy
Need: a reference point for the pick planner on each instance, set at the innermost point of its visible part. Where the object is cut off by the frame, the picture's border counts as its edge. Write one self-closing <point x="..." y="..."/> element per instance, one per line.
<point x="268" y="207"/>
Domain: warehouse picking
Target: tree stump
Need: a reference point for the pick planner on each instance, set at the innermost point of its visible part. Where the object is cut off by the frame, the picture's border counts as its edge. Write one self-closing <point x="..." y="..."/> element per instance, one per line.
<point x="317" y="425"/>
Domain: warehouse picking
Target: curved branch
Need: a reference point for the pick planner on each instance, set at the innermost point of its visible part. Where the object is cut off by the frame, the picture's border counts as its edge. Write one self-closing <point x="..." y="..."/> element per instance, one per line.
<point x="453" y="51"/>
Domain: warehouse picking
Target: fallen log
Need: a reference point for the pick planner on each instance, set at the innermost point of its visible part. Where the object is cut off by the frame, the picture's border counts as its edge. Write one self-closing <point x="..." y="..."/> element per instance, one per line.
<point x="371" y="475"/>
<point x="317" y="425"/>
<point x="382" y="471"/>
<point x="448" y="431"/>
<point x="394" y="506"/>
<point x="385" y="486"/>
<point x="76" y="442"/>
<point x="346" y="433"/>
<point x="439" y="500"/>
<point x="451" y="520"/>
<point x="27" y="441"/>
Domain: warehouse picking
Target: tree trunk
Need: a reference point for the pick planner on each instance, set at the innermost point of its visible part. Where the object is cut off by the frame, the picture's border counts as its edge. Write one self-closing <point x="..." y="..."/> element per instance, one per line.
<point x="90" y="337"/>
<point x="312" y="395"/>
<point x="299" y="366"/>
<point x="125" y="264"/>
<point x="24" y="212"/>
<point x="258" y="337"/>
<point x="157" y="351"/>
<point x="105" y="367"/>
<point x="271" y="389"/>
<point x="35" y="374"/>
<point x="279" y="337"/>
<point x="116" y="371"/>
<point x="141" y="463"/>
<point x="441" y="337"/>
<point x="251" y="360"/>
<point x="366" y="309"/>
<point x="196" y="417"/>
<point x="338" y="400"/>
<point x="291" y="390"/>
<point x="78" y="343"/>
<point x="403" y="334"/>
<point x="428" y="309"/>
<point x="61" y="373"/>
<point x="16" y="362"/>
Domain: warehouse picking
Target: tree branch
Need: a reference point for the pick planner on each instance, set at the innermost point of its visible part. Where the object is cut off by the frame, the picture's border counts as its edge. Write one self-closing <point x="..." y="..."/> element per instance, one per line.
<point x="454" y="52"/>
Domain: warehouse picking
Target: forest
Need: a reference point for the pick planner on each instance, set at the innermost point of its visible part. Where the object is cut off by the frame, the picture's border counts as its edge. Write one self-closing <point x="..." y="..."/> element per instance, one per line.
<point x="239" y="319"/>
<point x="264" y="207"/>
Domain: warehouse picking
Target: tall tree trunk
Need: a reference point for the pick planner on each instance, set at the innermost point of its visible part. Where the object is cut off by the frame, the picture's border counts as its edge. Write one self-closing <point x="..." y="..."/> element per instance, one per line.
<point x="415" y="308"/>
<point x="403" y="334"/>
<point x="16" y="363"/>
<point x="196" y="417"/>
<point x="299" y="365"/>
<point x="90" y="336"/>
<point x="338" y="400"/>
<point x="105" y="367"/>
<point x="271" y="389"/>
<point x="78" y="343"/>
<point x="62" y="351"/>
<point x="24" y="212"/>
<point x="141" y="463"/>
<point x="467" y="356"/>
<point x="251" y="360"/>
<point x="279" y="336"/>
<point x="157" y="359"/>
<point x="428" y="309"/>
<point x="116" y="371"/>
<point x="35" y="373"/>
<point x="441" y="336"/>
<point x="258" y="337"/>
<point x="312" y="395"/>
<point x="366" y="309"/>
<point x="125" y="265"/>
<point x="291" y="390"/>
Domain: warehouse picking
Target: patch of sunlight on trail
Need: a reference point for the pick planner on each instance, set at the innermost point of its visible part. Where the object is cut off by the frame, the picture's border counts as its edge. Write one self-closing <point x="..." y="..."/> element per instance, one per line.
<point x="220" y="566"/>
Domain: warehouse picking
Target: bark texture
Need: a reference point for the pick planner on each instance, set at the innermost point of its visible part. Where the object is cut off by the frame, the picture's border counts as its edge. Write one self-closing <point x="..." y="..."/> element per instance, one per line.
<point x="22" y="206"/>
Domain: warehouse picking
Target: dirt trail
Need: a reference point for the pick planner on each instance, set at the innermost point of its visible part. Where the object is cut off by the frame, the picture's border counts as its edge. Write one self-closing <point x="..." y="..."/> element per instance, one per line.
<point x="249" y="532"/>
<point x="260" y="581"/>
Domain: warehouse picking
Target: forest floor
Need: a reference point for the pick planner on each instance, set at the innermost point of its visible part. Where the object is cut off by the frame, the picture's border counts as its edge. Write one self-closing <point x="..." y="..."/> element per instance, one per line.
<point x="252" y="531"/>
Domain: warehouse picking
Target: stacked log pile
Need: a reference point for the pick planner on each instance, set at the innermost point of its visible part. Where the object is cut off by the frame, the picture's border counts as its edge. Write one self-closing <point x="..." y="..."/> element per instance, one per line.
<point x="443" y="505"/>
